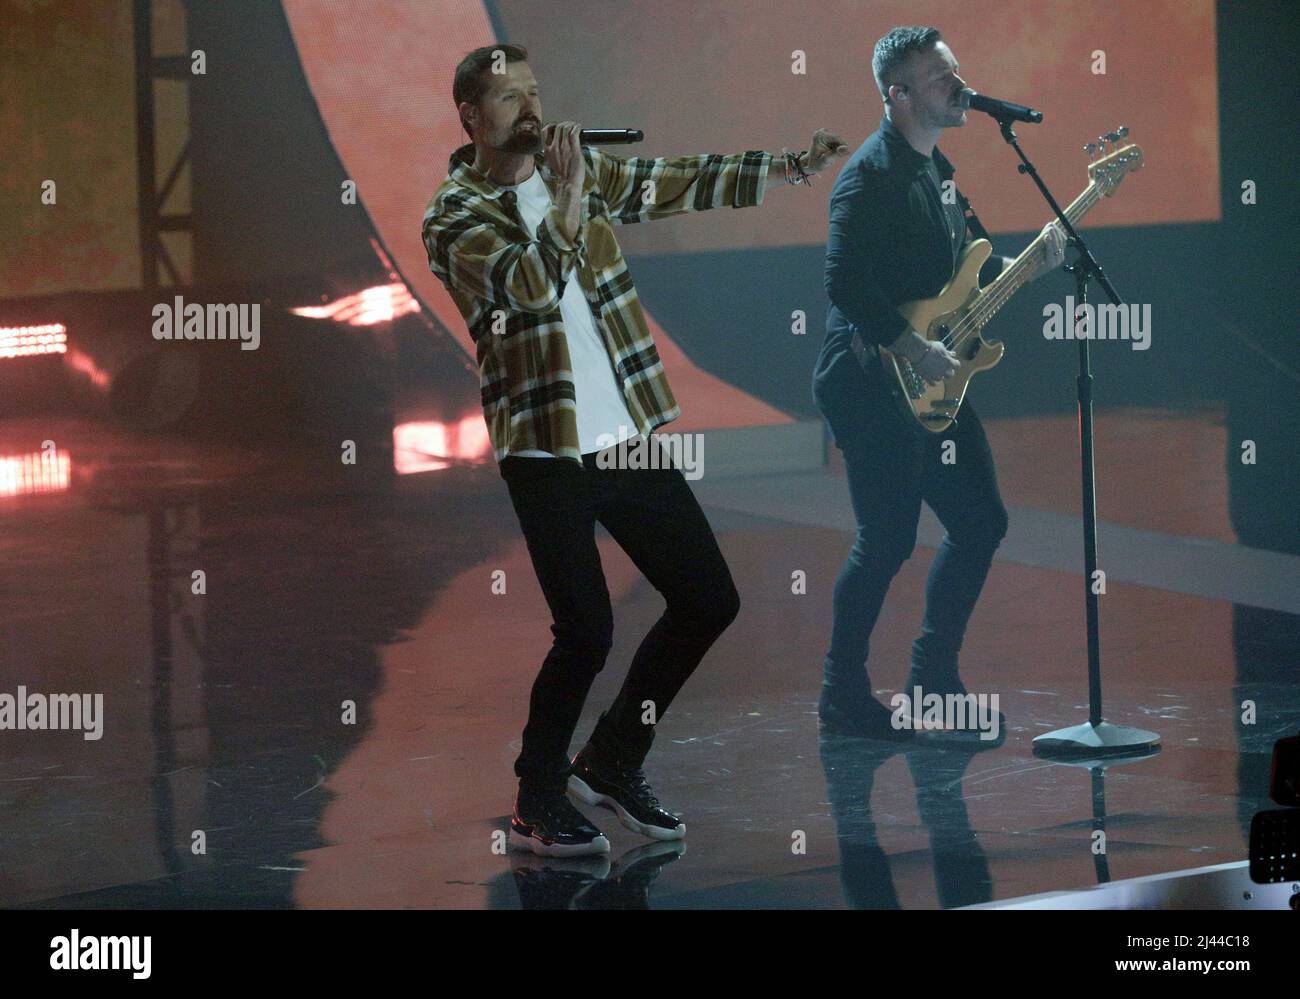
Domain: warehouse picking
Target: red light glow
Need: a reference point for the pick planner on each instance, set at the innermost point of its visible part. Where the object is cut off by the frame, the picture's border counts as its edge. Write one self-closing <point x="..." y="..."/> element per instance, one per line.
<point x="380" y="304"/>
<point x="426" y="446"/>
<point x="83" y="363"/>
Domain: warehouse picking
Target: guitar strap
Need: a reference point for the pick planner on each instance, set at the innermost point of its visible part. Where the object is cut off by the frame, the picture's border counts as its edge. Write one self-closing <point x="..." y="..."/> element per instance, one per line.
<point x="972" y="220"/>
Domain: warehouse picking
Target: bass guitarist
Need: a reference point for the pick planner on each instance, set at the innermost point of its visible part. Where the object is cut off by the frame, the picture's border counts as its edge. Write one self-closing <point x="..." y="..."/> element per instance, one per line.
<point x="895" y="236"/>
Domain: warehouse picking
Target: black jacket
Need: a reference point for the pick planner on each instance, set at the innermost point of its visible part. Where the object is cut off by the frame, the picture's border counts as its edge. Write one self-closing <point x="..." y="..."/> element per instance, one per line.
<point x="891" y="240"/>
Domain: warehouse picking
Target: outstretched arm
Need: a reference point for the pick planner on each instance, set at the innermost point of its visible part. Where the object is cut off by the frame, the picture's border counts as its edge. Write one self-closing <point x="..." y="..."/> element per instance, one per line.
<point x="639" y="189"/>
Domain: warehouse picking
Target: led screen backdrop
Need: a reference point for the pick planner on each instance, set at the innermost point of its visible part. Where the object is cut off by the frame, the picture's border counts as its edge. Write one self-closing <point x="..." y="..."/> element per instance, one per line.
<point x="713" y="76"/>
<point x="717" y="77"/>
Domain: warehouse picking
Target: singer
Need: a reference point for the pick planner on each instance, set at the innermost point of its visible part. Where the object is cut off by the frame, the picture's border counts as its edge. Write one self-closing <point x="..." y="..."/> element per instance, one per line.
<point x="521" y="233"/>
<point x="894" y="237"/>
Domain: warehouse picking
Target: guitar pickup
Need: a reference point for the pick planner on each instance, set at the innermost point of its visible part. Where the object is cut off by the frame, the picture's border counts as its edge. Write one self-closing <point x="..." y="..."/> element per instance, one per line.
<point x="937" y="403"/>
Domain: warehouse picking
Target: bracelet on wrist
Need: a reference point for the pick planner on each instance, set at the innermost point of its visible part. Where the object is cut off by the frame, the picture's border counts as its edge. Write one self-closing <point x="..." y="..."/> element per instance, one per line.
<point x="794" y="171"/>
<point x="804" y="176"/>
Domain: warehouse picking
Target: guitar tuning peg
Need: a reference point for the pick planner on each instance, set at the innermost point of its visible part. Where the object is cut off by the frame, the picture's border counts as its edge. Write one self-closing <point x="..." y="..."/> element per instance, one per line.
<point x="1089" y="148"/>
<point x="1122" y="131"/>
<point x="1101" y="145"/>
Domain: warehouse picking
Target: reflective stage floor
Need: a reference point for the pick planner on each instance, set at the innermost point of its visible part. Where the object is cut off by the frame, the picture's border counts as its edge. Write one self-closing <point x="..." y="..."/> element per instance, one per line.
<point x="332" y="721"/>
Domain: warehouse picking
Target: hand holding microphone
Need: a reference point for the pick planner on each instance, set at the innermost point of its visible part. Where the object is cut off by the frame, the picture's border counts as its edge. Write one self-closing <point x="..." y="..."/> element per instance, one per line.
<point x="564" y="152"/>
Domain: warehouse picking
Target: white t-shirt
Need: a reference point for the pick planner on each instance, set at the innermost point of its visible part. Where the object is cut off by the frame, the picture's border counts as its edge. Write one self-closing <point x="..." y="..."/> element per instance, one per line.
<point x="601" y="409"/>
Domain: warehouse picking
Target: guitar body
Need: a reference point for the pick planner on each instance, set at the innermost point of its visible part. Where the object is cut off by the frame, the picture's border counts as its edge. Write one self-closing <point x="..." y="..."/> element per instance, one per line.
<point x="935" y="407"/>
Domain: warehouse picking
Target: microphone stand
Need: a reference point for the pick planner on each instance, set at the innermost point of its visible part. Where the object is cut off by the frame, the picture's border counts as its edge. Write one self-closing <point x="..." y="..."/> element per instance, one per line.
<point x="1096" y="737"/>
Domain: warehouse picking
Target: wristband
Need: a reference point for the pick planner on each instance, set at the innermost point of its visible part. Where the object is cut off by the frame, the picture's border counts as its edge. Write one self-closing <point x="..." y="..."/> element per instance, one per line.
<point x="793" y="167"/>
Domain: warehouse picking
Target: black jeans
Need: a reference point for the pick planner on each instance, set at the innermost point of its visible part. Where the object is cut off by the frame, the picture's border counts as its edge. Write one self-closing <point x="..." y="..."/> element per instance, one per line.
<point x="653" y="516"/>
<point x="891" y="469"/>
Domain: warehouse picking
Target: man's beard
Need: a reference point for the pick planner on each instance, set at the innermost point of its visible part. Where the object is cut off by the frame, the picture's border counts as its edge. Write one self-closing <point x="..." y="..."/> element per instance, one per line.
<point x="952" y="116"/>
<point x="522" y="140"/>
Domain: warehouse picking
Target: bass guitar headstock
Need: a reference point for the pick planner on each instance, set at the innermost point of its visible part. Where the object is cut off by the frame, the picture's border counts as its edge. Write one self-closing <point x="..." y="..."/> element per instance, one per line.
<point x="1108" y="171"/>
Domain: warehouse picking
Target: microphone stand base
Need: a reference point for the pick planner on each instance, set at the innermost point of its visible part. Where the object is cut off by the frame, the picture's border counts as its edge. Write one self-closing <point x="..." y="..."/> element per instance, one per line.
<point x="1102" y="739"/>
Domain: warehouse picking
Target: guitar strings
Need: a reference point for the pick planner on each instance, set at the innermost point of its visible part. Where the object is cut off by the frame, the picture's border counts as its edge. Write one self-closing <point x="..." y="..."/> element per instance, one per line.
<point x="978" y="316"/>
<point x="974" y="320"/>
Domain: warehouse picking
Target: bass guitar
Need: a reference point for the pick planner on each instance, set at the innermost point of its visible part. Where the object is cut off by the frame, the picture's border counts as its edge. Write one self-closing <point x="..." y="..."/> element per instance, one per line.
<point x="956" y="317"/>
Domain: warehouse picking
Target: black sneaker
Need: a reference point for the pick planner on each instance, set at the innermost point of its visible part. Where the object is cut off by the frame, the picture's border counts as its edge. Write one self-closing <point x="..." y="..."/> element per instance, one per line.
<point x="546" y="823"/>
<point x="859" y="715"/>
<point x="598" y="780"/>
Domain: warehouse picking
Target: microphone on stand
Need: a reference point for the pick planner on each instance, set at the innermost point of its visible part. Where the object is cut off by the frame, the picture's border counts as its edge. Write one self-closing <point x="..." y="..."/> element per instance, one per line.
<point x="1002" y="110"/>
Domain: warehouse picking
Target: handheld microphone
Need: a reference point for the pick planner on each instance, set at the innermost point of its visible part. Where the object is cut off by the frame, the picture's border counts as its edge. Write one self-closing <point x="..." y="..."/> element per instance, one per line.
<point x="1002" y="110"/>
<point x="603" y="136"/>
<point x="607" y="136"/>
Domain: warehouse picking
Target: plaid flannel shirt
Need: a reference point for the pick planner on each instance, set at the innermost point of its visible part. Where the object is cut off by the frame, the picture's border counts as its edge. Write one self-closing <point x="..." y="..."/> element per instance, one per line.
<point x="508" y="285"/>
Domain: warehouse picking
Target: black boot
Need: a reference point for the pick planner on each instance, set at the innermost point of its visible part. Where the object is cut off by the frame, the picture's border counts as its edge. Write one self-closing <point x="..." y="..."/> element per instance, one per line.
<point x="847" y="707"/>
<point x="944" y="683"/>
<point x="607" y="771"/>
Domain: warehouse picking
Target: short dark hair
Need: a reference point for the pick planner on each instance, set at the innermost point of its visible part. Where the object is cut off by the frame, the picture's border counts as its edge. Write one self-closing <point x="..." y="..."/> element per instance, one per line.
<point x="892" y="51"/>
<point x="471" y="82"/>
